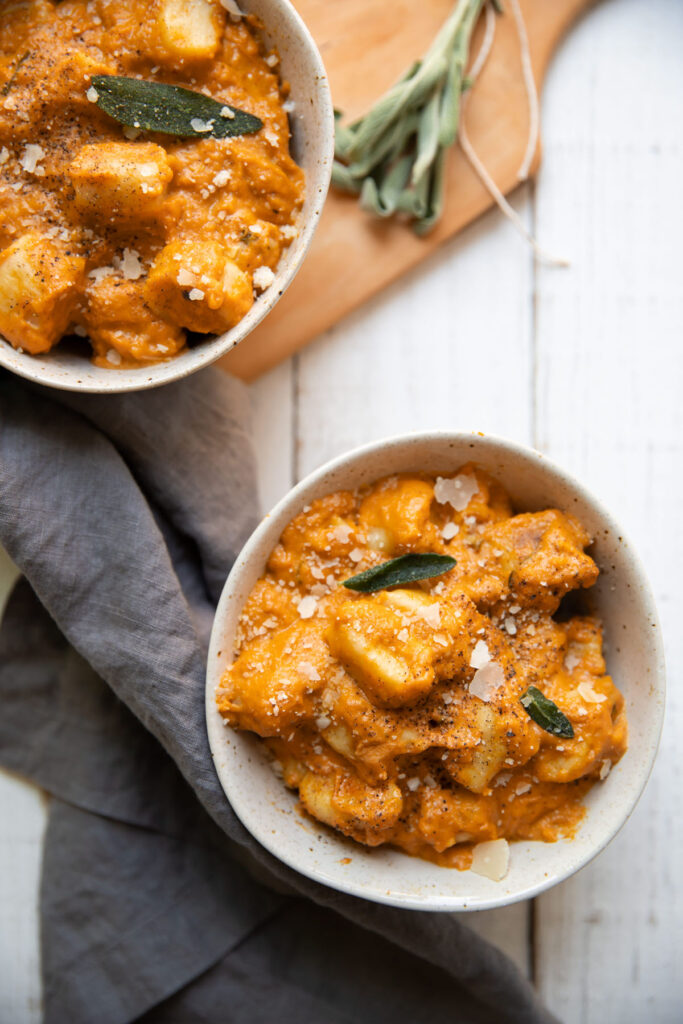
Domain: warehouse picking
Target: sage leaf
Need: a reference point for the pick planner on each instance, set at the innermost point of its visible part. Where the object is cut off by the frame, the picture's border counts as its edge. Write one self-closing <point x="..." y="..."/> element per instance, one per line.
<point x="170" y="109"/>
<point x="546" y="713"/>
<point x="404" y="569"/>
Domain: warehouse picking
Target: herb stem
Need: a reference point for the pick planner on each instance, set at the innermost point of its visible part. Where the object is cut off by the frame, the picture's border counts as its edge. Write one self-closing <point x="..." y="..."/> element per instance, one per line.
<point x="394" y="156"/>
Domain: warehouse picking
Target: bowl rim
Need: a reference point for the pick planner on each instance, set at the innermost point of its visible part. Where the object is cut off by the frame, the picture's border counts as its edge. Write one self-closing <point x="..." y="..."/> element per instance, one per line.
<point x="288" y="504"/>
<point x="177" y="368"/>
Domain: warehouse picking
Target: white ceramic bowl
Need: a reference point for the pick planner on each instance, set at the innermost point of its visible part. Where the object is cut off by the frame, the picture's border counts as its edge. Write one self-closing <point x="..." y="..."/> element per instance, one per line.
<point x="634" y="658"/>
<point x="312" y="147"/>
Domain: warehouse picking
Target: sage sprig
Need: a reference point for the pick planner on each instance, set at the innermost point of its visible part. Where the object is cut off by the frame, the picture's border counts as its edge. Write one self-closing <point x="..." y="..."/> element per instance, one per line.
<point x="546" y="713"/>
<point x="171" y="109"/>
<point x="401" y="570"/>
<point x="394" y="156"/>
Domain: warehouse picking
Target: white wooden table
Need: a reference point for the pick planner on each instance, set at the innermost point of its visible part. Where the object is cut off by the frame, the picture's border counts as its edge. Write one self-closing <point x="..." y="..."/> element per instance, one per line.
<point x="585" y="364"/>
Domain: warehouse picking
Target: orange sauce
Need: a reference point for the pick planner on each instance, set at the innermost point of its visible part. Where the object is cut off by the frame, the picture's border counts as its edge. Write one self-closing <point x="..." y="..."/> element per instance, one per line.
<point x="396" y="714"/>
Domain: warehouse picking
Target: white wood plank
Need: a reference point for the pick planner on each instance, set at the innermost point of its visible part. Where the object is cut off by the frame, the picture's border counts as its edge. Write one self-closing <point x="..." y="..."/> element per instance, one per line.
<point x="448" y="347"/>
<point x="273" y="430"/>
<point x="608" y="395"/>
<point x="23" y="816"/>
<point x="23" y="811"/>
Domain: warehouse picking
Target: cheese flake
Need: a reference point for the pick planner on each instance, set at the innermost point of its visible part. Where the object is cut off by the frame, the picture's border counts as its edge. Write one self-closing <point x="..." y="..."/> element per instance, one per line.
<point x="487" y="681"/>
<point x="307" y="607"/>
<point x="309" y="671"/>
<point x="130" y="265"/>
<point x="491" y="859"/>
<point x="480" y="655"/>
<point x="263" y="277"/>
<point x="456" y="491"/>
<point x="431" y="614"/>
<point x="341" y="532"/>
<point x="233" y="9"/>
<point x="99" y="273"/>
<point x="31" y="157"/>
<point x="587" y="693"/>
<point x="571" y="661"/>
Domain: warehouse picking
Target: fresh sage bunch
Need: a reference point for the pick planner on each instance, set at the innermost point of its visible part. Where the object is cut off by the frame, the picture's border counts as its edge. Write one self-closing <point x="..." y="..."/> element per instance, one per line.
<point x="394" y="156"/>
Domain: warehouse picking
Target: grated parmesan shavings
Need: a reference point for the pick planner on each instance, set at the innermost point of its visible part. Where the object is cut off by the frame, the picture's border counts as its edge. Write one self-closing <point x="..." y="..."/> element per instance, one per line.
<point x="457" y="491"/>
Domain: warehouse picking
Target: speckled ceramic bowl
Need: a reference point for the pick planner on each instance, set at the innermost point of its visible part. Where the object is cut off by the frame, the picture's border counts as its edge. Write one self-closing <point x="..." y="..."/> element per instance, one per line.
<point x="313" y="148"/>
<point x="634" y="658"/>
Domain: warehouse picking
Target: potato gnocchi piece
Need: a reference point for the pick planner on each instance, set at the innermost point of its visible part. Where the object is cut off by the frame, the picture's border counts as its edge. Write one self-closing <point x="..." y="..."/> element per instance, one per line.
<point x="269" y="607"/>
<point x="119" y="181"/>
<point x="123" y="329"/>
<point x="401" y="508"/>
<point x="343" y="801"/>
<point x="397" y="643"/>
<point x="594" y="705"/>
<point x="189" y="29"/>
<point x="199" y="287"/>
<point x="449" y="816"/>
<point x="546" y="556"/>
<point x="39" y="282"/>
<point x="268" y="687"/>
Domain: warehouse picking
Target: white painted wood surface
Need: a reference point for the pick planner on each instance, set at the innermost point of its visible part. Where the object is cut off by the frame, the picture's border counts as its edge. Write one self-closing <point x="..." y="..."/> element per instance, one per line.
<point x="584" y="363"/>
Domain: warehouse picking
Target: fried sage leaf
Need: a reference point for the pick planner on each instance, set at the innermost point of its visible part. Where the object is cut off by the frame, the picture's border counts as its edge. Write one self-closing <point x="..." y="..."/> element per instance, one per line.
<point x="546" y="713"/>
<point x="171" y="109"/>
<point x="404" y="569"/>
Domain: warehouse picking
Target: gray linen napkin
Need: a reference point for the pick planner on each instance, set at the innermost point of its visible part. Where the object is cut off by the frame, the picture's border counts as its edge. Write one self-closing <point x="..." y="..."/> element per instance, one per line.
<point x="125" y="514"/>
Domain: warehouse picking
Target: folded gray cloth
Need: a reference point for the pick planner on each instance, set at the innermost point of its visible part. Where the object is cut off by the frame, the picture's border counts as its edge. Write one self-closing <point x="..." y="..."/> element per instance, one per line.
<point x="124" y="514"/>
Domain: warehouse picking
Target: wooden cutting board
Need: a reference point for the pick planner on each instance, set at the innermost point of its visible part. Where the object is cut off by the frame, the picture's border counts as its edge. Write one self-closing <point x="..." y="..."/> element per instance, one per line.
<point x="366" y="45"/>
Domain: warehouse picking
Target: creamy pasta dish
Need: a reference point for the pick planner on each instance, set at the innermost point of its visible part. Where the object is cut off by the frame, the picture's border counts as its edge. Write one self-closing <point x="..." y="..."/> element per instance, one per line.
<point x="444" y="715"/>
<point x="131" y="235"/>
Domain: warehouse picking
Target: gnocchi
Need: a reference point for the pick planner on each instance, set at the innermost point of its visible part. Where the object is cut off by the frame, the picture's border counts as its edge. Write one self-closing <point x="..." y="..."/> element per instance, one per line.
<point x="132" y="238"/>
<point x="396" y="714"/>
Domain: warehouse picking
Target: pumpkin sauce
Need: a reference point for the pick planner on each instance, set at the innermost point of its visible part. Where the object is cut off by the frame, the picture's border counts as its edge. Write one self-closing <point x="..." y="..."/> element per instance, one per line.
<point x="397" y="714"/>
<point x="133" y="238"/>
